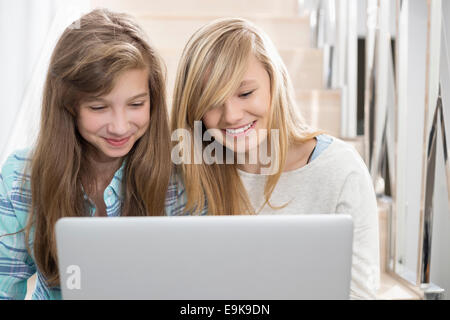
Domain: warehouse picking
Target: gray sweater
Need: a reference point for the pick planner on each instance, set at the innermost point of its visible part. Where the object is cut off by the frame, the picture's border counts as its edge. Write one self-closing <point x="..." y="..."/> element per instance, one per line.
<point x="337" y="181"/>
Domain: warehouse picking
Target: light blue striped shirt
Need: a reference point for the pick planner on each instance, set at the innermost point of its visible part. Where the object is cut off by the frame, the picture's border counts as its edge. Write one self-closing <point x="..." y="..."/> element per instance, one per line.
<point x="16" y="264"/>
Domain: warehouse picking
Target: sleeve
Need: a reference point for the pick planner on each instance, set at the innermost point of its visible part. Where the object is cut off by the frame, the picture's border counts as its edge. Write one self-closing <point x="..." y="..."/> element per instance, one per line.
<point x="358" y="199"/>
<point x="176" y="198"/>
<point x="16" y="265"/>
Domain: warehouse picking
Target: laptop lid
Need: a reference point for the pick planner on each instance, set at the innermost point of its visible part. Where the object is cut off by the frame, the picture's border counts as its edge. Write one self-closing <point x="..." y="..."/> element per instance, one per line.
<point x="206" y="257"/>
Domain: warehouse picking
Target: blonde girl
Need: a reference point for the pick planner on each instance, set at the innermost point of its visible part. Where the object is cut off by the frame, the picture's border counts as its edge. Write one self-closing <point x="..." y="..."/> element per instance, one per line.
<point x="232" y="80"/>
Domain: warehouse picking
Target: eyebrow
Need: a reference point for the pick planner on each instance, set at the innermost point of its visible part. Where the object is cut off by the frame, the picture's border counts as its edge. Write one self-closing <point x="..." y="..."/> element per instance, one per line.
<point x="247" y="82"/>
<point x="94" y="98"/>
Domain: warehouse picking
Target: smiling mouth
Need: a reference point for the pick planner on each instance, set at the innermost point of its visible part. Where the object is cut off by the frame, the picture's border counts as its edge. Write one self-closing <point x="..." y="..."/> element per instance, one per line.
<point x="117" y="142"/>
<point x="239" y="131"/>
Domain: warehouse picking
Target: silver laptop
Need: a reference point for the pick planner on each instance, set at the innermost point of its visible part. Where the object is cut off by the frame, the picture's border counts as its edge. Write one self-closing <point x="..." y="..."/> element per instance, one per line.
<point x="208" y="257"/>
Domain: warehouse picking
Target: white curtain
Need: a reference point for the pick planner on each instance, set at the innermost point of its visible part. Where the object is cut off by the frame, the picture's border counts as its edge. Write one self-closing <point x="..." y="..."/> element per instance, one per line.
<point x="29" y="30"/>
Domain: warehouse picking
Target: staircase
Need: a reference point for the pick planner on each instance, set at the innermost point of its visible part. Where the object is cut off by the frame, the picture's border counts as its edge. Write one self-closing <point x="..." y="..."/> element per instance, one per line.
<point x="170" y="23"/>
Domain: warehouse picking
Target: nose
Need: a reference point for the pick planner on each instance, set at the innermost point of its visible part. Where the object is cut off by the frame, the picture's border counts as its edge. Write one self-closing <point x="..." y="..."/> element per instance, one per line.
<point x="119" y="124"/>
<point x="232" y="112"/>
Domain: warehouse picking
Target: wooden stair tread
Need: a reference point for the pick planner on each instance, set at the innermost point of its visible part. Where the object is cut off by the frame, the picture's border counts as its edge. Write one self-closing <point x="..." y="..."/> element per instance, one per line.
<point x="198" y="7"/>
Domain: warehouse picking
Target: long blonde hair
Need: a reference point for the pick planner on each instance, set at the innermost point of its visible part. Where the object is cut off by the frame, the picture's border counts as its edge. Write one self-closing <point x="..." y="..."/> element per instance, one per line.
<point x="211" y="67"/>
<point x="86" y="61"/>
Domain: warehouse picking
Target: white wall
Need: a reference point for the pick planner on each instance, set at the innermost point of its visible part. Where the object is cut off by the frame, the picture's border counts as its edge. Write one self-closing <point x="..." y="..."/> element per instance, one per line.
<point x="24" y="25"/>
<point x="29" y="31"/>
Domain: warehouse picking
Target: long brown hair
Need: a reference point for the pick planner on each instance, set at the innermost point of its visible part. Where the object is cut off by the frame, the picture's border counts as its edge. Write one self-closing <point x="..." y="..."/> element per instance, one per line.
<point x="211" y="67"/>
<point x="87" y="60"/>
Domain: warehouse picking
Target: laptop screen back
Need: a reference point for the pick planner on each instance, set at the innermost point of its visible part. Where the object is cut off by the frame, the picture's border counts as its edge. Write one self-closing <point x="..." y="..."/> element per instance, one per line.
<point x="208" y="257"/>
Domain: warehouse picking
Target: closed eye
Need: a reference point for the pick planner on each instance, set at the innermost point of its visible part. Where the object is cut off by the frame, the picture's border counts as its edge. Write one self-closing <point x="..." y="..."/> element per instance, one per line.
<point x="137" y="104"/>
<point x="97" y="108"/>
<point x="246" y="94"/>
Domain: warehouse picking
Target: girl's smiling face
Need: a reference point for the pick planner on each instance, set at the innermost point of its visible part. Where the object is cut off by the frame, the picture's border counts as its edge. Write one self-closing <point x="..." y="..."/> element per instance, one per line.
<point x="237" y="123"/>
<point x="114" y="122"/>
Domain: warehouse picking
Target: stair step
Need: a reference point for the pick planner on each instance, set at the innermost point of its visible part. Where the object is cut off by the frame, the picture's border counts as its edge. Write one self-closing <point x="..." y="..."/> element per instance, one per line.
<point x="174" y="31"/>
<point x="383" y="221"/>
<point x="305" y="67"/>
<point x="321" y="109"/>
<point x="357" y="143"/>
<point x="203" y="7"/>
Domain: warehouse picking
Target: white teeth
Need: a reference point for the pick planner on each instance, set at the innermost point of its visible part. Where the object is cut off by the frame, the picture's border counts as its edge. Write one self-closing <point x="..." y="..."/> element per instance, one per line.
<point x="240" y="130"/>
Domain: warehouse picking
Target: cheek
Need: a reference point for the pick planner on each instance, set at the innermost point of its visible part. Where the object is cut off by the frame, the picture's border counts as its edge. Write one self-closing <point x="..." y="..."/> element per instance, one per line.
<point x="142" y="118"/>
<point x="89" y="124"/>
<point x="261" y="106"/>
<point x="211" y="119"/>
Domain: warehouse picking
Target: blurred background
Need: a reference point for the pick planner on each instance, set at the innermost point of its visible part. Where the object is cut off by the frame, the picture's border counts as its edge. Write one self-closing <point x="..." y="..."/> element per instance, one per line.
<point x="375" y="73"/>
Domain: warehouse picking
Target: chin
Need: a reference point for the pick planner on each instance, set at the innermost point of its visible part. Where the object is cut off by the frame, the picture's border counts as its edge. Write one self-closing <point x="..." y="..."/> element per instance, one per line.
<point x="118" y="153"/>
<point x="242" y="147"/>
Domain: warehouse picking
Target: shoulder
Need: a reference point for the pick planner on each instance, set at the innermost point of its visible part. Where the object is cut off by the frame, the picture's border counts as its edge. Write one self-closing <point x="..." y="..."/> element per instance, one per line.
<point x="18" y="158"/>
<point x="15" y="191"/>
<point x="15" y="167"/>
<point x="357" y="185"/>
<point x="335" y="164"/>
<point x="342" y="156"/>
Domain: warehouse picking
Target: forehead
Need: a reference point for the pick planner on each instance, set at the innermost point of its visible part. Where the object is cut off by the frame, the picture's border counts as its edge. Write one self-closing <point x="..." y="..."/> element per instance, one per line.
<point x="254" y="73"/>
<point x="130" y="80"/>
<point x="125" y="85"/>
